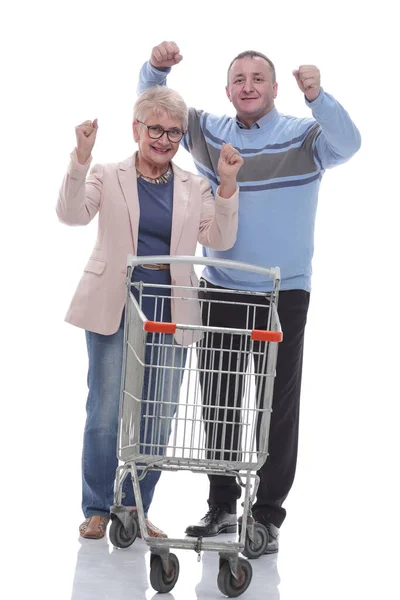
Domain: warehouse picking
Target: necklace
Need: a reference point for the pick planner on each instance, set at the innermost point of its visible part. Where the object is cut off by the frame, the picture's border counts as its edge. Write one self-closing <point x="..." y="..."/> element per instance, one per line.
<point x="161" y="179"/>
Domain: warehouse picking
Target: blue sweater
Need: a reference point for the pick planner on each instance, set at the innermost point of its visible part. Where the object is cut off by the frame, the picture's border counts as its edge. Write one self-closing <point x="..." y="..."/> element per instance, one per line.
<point x="284" y="160"/>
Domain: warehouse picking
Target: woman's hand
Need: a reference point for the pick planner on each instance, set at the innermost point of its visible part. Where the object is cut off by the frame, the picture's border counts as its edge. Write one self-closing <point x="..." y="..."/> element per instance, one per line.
<point x="229" y="164"/>
<point x="85" y="138"/>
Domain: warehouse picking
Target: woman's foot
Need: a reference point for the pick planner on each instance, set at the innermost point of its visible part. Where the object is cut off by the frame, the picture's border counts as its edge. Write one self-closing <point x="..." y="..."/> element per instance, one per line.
<point x="94" y="528"/>
<point x="153" y="531"/>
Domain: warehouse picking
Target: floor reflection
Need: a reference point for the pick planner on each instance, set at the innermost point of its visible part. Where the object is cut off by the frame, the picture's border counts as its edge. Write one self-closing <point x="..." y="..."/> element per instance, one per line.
<point x="263" y="586"/>
<point x="105" y="573"/>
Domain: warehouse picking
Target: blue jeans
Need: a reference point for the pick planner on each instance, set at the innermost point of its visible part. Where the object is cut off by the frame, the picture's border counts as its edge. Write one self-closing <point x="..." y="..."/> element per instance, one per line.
<point x="99" y="458"/>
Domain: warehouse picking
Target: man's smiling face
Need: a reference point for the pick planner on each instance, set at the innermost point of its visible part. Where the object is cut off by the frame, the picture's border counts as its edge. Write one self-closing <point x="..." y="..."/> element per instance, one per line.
<point x="251" y="88"/>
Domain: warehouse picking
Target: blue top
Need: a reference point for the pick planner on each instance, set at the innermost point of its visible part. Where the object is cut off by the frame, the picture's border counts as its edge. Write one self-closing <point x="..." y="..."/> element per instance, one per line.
<point x="285" y="159"/>
<point x="154" y="238"/>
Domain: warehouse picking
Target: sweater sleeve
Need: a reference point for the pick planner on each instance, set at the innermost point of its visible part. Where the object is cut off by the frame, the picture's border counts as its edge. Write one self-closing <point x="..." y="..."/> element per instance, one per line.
<point x="149" y="76"/>
<point x="338" y="139"/>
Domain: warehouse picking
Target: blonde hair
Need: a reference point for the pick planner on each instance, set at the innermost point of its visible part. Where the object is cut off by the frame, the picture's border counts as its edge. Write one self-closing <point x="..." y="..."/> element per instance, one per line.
<point x="161" y="99"/>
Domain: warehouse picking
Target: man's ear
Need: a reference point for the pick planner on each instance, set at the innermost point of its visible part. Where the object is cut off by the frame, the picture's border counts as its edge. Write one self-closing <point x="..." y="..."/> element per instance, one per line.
<point x="228" y="94"/>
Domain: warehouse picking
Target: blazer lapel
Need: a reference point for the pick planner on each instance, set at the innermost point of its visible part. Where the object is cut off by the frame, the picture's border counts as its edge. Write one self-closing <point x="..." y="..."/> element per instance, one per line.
<point x="128" y="183"/>
<point x="182" y="186"/>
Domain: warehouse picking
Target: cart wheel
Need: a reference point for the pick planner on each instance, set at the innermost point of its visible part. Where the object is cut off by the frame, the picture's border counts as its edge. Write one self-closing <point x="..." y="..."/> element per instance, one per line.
<point x="159" y="580"/>
<point x="118" y="536"/>
<point x="257" y="548"/>
<point x="226" y="582"/>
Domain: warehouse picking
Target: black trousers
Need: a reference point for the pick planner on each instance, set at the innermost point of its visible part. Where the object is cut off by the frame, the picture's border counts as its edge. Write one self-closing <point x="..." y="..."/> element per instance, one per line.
<point x="277" y="474"/>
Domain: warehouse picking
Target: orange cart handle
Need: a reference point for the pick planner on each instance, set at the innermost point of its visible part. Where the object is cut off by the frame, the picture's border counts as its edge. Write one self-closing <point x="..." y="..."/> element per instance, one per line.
<point x="159" y="327"/>
<point x="266" y="336"/>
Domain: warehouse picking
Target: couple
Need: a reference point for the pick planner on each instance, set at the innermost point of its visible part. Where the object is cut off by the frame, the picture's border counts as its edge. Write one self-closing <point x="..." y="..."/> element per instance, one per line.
<point x="285" y="158"/>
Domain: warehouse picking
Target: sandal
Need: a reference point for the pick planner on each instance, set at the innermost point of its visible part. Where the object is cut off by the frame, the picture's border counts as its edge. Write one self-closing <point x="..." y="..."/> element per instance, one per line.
<point x="153" y="531"/>
<point x="94" y="527"/>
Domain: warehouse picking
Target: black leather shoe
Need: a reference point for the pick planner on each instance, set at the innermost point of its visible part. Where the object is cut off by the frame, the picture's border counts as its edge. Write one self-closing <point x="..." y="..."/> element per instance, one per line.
<point x="273" y="538"/>
<point x="273" y="534"/>
<point x="214" y="522"/>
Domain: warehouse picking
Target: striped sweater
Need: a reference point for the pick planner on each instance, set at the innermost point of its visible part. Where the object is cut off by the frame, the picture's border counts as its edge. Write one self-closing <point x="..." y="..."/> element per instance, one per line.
<point x="284" y="160"/>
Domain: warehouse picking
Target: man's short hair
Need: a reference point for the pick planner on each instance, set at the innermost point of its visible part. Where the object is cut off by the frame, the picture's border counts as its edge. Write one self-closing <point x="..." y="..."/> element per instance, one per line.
<point x="253" y="54"/>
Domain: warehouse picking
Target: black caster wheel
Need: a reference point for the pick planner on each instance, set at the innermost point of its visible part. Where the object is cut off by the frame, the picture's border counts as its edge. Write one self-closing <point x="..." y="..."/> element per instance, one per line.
<point x="257" y="548"/>
<point x="119" y="537"/>
<point x="159" y="580"/>
<point x="228" y="585"/>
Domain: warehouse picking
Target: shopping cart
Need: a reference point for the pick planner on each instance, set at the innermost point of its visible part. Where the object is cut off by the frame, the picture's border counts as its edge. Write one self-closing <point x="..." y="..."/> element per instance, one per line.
<point x="196" y="431"/>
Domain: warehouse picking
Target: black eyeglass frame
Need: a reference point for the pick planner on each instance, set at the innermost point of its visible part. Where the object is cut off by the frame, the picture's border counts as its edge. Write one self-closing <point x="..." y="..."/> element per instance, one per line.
<point x="167" y="131"/>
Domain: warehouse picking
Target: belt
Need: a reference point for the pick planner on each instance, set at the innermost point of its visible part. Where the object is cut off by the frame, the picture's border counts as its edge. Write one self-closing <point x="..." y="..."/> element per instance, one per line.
<point x="156" y="267"/>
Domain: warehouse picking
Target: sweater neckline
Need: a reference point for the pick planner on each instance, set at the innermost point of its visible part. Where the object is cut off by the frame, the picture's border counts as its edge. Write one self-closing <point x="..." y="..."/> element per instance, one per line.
<point x="263" y="123"/>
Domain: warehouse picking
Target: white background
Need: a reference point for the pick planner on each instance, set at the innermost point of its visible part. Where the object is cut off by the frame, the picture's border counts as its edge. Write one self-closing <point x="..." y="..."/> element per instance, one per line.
<point x="65" y="62"/>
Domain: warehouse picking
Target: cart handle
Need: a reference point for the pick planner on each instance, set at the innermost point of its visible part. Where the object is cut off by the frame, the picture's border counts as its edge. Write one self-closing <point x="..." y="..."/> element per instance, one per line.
<point x="133" y="261"/>
<point x="258" y="335"/>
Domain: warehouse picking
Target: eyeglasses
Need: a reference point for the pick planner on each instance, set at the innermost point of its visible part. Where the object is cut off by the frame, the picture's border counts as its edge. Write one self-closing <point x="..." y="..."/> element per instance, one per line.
<point x="156" y="132"/>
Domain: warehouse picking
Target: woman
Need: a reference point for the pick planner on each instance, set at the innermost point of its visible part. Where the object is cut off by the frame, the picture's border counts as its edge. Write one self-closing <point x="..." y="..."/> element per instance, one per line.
<point x="147" y="206"/>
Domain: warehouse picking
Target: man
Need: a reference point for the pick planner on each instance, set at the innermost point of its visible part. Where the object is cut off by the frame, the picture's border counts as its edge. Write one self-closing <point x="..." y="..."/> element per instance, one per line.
<point x="284" y="161"/>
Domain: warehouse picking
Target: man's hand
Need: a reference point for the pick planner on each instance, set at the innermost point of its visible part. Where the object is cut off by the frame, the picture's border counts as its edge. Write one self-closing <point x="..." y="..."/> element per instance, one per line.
<point x="85" y="138"/>
<point x="229" y="164"/>
<point x="308" y="79"/>
<point x="165" y="54"/>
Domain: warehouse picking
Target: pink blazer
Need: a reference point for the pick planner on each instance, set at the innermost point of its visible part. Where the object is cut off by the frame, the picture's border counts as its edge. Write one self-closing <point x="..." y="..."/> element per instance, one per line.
<point x="111" y="191"/>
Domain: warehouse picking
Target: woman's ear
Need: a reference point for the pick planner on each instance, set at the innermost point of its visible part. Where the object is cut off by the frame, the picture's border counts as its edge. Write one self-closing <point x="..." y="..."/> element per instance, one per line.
<point x="135" y="125"/>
